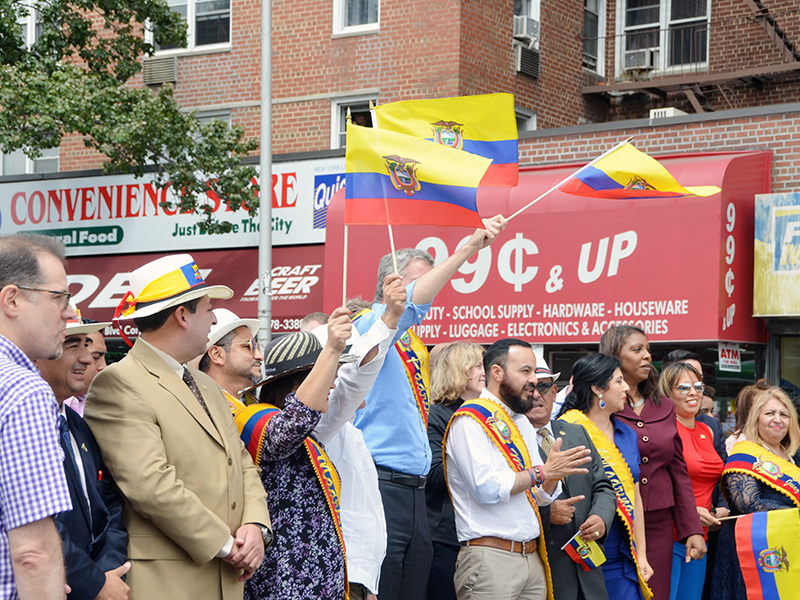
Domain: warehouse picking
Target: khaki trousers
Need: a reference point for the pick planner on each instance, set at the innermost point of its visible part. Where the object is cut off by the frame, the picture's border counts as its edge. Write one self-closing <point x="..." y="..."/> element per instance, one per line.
<point x="484" y="573"/>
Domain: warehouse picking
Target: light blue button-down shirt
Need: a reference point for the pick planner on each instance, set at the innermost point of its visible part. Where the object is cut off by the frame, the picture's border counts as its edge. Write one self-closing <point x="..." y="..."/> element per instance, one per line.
<point x="391" y="424"/>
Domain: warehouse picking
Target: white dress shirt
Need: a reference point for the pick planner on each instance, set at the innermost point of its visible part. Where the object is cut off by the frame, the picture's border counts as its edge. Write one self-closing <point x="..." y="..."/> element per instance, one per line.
<point x="480" y="481"/>
<point x="360" y="505"/>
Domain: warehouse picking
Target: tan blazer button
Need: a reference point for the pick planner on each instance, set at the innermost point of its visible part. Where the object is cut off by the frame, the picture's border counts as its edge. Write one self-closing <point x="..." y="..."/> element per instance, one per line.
<point x="644" y="481"/>
<point x="233" y="506"/>
<point x="230" y="461"/>
<point x="645" y="438"/>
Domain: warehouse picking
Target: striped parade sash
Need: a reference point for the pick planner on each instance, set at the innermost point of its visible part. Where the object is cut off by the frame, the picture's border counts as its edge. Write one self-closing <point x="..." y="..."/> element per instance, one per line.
<point x="505" y="435"/>
<point x="758" y="462"/>
<point x="619" y="473"/>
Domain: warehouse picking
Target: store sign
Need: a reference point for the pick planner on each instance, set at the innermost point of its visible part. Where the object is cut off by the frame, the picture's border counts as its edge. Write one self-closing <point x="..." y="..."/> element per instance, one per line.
<point x="99" y="283"/>
<point x="777" y="255"/>
<point x="729" y="357"/>
<point x="122" y="214"/>
<point x="569" y="267"/>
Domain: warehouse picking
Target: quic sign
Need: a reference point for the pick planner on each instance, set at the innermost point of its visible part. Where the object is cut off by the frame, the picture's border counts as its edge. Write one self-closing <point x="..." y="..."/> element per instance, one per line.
<point x="570" y="267"/>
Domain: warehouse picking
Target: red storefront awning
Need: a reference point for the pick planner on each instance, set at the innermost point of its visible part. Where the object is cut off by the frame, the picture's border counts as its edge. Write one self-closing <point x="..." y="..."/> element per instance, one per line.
<point x="569" y="267"/>
<point x="99" y="282"/>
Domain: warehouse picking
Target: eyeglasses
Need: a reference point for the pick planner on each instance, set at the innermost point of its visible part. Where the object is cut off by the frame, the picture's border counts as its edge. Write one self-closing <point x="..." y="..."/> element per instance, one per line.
<point x="685" y="388"/>
<point x="65" y="295"/>
<point x="252" y="345"/>
<point x="543" y="387"/>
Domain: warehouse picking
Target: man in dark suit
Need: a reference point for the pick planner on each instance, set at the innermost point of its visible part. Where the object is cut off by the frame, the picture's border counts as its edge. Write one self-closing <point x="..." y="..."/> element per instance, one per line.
<point x="587" y="498"/>
<point x="95" y="542"/>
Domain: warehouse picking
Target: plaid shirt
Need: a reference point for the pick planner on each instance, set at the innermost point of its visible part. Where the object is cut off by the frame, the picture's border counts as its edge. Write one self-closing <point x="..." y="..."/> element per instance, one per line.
<point x="32" y="481"/>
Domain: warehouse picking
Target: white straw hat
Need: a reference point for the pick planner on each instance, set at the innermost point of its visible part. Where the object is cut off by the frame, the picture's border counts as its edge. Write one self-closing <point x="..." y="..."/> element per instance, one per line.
<point x="164" y="283"/>
<point x="77" y="325"/>
<point x="227" y="321"/>
<point x="543" y="369"/>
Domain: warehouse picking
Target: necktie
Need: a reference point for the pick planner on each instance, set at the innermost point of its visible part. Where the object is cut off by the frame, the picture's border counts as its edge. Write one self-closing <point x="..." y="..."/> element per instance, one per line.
<point x="547" y="441"/>
<point x="66" y="442"/>
<point x="192" y="384"/>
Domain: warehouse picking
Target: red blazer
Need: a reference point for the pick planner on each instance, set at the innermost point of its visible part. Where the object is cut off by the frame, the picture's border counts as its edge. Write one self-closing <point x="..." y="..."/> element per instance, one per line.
<point x="664" y="480"/>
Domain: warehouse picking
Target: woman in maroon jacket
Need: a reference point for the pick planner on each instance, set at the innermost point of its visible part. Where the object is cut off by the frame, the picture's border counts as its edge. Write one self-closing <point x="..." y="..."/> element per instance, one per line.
<point x="664" y="481"/>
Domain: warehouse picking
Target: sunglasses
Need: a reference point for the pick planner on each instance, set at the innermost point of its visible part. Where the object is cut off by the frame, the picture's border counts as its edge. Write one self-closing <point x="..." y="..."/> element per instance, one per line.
<point x="685" y="388"/>
<point x="57" y="295"/>
<point x="544" y="387"/>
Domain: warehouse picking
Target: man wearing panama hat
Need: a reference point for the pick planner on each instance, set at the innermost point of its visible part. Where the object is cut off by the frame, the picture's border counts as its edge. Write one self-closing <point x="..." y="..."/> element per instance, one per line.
<point x="233" y="358"/>
<point x="195" y="509"/>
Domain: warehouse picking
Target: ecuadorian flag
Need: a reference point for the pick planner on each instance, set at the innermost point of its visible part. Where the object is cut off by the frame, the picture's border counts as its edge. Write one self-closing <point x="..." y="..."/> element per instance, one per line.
<point x="626" y="173"/>
<point x="392" y="178"/>
<point x="768" y="545"/>
<point x="587" y="554"/>
<point x="485" y="125"/>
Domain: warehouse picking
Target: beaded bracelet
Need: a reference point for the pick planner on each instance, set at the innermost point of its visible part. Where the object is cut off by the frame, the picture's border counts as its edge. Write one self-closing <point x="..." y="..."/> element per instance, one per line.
<point x="532" y="473"/>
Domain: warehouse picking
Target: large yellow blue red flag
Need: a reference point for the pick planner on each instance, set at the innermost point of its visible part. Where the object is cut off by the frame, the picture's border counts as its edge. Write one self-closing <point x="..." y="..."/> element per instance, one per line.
<point x="768" y="545"/>
<point x="626" y="173"/>
<point x="392" y="178"/>
<point x="587" y="554"/>
<point x="485" y="125"/>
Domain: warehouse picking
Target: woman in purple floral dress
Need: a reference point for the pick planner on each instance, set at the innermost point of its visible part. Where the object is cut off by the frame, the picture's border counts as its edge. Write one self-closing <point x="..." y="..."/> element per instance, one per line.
<point x="306" y="558"/>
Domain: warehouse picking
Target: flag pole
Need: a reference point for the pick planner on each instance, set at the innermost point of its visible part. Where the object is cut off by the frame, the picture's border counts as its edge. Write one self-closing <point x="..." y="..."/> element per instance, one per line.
<point x="568" y="177"/>
<point x="344" y="272"/>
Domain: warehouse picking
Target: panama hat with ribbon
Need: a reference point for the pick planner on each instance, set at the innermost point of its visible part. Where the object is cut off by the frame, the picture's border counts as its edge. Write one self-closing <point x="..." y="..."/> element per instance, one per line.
<point x="227" y="321"/>
<point x="293" y="353"/>
<point x="164" y="283"/>
<point x="77" y="325"/>
<point x="543" y="369"/>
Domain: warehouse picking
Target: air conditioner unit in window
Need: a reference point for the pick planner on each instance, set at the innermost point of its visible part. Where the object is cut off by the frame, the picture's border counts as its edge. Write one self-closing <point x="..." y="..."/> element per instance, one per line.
<point x="526" y="29"/>
<point x="640" y="60"/>
<point x="527" y="61"/>
<point x="159" y="70"/>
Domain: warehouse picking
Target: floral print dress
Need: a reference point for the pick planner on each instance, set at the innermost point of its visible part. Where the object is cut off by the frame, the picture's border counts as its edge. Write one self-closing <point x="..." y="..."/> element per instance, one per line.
<point x="305" y="559"/>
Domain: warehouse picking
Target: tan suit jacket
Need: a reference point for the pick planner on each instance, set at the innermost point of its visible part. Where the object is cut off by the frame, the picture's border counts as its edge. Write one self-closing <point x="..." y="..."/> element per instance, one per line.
<point x="188" y="481"/>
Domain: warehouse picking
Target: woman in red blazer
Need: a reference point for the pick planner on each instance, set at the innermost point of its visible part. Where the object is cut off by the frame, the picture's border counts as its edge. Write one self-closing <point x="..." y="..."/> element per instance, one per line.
<point x="664" y="481"/>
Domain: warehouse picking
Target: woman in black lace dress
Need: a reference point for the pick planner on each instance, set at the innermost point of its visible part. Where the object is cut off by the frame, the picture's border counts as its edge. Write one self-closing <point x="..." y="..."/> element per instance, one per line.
<point x="773" y="437"/>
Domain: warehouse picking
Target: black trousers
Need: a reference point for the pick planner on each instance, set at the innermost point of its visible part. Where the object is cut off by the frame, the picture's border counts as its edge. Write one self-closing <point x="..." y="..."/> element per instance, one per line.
<point x="443" y="568"/>
<point x="404" y="573"/>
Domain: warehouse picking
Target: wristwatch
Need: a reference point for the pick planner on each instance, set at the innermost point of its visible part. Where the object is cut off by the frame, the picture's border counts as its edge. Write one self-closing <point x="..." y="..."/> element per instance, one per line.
<point x="266" y="535"/>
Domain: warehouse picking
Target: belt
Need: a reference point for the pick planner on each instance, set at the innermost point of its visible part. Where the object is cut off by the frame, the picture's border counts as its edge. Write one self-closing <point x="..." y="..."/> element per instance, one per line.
<point x="507" y="545"/>
<point x="414" y="481"/>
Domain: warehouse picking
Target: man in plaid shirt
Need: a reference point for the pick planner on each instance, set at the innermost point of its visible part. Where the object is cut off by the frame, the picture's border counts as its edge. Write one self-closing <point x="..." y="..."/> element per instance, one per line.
<point x="33" y="315"/>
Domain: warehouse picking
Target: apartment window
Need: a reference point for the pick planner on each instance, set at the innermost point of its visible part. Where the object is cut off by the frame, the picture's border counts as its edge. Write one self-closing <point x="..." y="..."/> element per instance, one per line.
<point x="16" y="163"/>
<point x="355" y="16"/>
<point x="209" y="22"/>
<point x="591" y="33"/>
<point x="676" y="31"/>
<point x="526" y="8"/>
<point x="359" y="112"/>
<point x="526" y="119"/>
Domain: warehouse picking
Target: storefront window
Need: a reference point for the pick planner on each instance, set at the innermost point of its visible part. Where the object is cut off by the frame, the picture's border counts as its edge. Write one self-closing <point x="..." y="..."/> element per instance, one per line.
<point x="790" y="364"/>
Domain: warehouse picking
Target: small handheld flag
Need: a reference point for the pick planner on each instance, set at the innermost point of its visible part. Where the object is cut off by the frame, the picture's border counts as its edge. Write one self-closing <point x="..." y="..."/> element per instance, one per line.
<point x="626" y="173"/>
<point x="485" y="125"/>
<point x="587" y="554"/>
<point x="766" y="543"/>
<point x="398" y="179"/>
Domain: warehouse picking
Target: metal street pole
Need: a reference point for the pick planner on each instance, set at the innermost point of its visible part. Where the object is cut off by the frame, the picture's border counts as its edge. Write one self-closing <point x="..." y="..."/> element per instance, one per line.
<point x="265" y="195"/>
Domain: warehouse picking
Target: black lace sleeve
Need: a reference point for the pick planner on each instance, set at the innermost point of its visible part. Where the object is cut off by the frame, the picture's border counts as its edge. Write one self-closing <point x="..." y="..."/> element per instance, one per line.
<point x="748" y="495"/>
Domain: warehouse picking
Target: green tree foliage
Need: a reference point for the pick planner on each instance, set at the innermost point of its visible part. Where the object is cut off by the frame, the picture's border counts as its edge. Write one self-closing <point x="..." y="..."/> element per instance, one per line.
<point x="75" y="79"/>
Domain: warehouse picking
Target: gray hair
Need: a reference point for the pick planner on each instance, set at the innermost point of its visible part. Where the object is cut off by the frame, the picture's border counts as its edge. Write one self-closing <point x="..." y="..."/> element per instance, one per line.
<point x="405" y="257"/>
<point x="19" y="258"/>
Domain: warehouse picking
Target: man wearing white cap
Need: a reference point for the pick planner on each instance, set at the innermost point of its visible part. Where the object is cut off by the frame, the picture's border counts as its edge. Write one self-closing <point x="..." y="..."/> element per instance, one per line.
<point x="587" y="502"/>
<point x="233" y="358"/>
<point x="195" y="509"/>
<point x="95" y="542"/>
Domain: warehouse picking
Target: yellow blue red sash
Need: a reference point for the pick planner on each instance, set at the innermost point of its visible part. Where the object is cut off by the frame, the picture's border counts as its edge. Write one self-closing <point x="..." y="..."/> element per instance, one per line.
<point x="619" y="473"/>
<point x="414" y="355"/>
<point x="497" y="424"/>
<point x="772" y="470"/>
<point x="252" y="423"/>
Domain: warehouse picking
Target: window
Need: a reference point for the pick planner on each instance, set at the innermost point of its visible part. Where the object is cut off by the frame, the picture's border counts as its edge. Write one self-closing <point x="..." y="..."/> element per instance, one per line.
<point x="209" y="22"/>
<point x="526" y="119"/>
<point x="359" y="112"/>
<point x="527" y="8"/>
<point x="355" y="16"/>
<point x="675" y="31"/>
<point x="592" y="11"/>
<point x="16" y="163"/>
